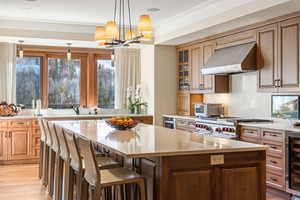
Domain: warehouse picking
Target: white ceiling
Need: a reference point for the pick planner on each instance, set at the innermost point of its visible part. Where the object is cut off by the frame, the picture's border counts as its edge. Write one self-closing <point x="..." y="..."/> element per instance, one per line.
<point x="90" y="12"/>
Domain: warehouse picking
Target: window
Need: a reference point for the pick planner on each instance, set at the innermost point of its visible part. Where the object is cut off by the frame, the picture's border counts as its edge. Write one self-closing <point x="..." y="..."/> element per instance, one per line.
<point x="106" y="83"/>
<point x="63" y="82"/>
<point x="28" y="79"/>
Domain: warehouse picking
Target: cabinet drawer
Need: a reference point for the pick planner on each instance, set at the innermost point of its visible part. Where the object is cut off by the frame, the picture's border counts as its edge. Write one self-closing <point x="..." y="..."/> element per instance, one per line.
<point x="250" y="132"/>
<point x="274" y="164"/>
<point x="19" y="124"/>
<point x="3" y="124"/>
<point x="275" y="149"/>
<point x="250" y="139"/>
<point x="271" y="135"/>
<point x="275" y="181"/>
<point x="35" y="124"/>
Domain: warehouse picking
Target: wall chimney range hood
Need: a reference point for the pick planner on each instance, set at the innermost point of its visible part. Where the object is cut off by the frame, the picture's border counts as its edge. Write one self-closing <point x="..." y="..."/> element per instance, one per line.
<point x="232" y="60"/>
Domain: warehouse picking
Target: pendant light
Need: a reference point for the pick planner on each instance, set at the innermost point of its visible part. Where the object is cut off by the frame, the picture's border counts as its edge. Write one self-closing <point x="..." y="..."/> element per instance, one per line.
<point x="21" y="51"/>
<point x="145" y="25"/>
<point x="100" y="34"/>
<point x="112" y="56"/>
<point x="69" y="53"/>
<point x="116" y="33"/>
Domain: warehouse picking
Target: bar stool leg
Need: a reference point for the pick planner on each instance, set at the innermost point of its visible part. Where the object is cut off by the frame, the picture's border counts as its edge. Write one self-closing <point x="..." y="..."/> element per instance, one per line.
<point x="143" y="191"/>
<point x="51" y="173"/>
<point x="46" y="166"/>
<point x="84" y="189"/>
<point x="68" y="182"/>
<point x="41" y="161"/>
<point x="58" y="178"/>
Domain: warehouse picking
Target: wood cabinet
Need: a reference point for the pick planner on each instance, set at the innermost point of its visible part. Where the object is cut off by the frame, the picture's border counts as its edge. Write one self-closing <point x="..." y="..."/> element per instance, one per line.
<point x="267" y="58"/>
<point x="18" y="144"/>
<point x="3" y="149"/>
<point x="19" y="140"/>
<point x="275" y="160"/>
<point x="200" y="83"/>
<point x="278" y="57"/>
<point x="183" y="103"/>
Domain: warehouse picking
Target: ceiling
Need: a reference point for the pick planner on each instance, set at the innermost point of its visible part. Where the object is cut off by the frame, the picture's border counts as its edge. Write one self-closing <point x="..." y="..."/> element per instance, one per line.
<point x="88" y="12"/>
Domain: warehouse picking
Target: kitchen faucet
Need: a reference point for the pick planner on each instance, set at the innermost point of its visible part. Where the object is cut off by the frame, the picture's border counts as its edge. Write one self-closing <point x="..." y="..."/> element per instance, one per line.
<point x="76" y="109"/>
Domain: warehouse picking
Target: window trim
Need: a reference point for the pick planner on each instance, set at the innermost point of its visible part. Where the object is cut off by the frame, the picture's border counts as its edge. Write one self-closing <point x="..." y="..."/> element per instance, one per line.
<point x="88" y="70"/>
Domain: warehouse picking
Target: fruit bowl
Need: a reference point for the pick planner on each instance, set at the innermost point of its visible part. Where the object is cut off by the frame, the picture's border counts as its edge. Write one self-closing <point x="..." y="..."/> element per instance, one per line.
<point x="121" y="123"/>
<point x="8" y="110"/>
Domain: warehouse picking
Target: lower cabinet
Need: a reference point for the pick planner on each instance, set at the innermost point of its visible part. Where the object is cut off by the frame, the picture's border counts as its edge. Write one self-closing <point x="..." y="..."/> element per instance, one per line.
<point x="275" y="160"/>
<point x="19" y="141"/>
<point x="183" y="103"/>
<point x="18" y="144"/>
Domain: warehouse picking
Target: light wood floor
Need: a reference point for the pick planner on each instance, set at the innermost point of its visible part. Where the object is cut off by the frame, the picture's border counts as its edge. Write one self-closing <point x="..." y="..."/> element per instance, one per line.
<point x="20" y="182"/>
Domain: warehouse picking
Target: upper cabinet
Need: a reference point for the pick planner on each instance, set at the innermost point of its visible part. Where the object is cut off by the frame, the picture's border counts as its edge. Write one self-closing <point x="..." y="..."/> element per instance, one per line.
<point x="267" y="58"/>
<point x="184" y="70"/>
<point x="288" y="58"/>
<point x="200" y="83"/>
<point x="278" y="57"/>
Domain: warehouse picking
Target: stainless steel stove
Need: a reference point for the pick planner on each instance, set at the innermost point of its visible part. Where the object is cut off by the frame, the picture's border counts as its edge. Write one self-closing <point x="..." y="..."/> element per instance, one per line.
<point x="225" y="127"/>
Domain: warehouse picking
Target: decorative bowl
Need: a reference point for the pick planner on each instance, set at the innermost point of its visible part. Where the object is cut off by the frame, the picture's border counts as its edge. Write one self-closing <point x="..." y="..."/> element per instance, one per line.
<point x="8" y="110"/>
<point x="122" y="123"/>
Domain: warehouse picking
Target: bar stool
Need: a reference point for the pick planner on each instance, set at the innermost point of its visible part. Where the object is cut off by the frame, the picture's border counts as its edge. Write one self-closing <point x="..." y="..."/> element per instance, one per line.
<point x="99" y="180"/>
<point x="46" y="156"/>
<point x="42" y="149"/>
<point x="78" y="167"/>
<point x="54" y="181"/>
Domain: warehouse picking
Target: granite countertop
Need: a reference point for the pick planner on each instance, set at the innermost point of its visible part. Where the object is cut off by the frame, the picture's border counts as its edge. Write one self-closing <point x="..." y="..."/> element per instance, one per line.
<point x="61" y="116"/>
<point x="148" y="140"/>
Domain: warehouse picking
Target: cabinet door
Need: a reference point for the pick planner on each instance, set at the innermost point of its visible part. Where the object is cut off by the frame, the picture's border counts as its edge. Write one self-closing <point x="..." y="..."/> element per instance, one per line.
<point x="19" y="145"/>
<point x="183" y="103"/>
<point x="3" y="154"/>
<point x="197" y="63"/>
<point x="233" y="183"/>
<point x="208" y="80"/>
<point x="267" y="58"/>
<point x="186" y="185"/>
<point x="289" y="43"/>
<point x="35" y="138"/>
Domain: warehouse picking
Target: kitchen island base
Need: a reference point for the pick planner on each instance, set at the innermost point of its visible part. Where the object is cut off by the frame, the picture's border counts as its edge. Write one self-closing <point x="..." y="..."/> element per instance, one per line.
<point x="193" y="177"/>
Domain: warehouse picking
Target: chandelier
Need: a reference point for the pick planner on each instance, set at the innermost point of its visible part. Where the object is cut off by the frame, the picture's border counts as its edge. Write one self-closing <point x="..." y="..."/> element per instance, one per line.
<point x="115" y="33"/>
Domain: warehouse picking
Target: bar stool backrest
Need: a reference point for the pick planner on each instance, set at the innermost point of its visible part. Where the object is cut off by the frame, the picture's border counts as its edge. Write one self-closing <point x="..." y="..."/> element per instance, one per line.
<point x="91" y="173"/>
<point x="76" y="161"/>
<point x="43" y="134"/>
<point x="55" y="143"/>
<point x="47" y="133"/>
<point x="64" y="149"/>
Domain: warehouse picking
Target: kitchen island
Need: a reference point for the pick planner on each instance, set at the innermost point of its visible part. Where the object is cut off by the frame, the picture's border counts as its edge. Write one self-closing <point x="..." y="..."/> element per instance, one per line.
<point x="179" y="165"/>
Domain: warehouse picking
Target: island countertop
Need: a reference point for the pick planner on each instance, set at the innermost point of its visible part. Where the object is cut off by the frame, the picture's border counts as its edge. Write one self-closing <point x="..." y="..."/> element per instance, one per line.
<point x="148" y="140"/>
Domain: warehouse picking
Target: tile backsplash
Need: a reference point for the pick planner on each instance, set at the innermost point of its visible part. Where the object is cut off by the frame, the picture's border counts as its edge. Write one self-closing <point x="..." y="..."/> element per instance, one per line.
<point x="244" y="100"/>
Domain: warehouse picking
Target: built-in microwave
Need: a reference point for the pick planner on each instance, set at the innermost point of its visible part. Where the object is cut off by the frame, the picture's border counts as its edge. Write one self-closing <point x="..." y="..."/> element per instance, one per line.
<point x="208" y="110"/>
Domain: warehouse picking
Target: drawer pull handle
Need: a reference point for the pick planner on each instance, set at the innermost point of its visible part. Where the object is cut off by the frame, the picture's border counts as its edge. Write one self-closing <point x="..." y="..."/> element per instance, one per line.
<point x="273" y="147"/>
<point x="273" y="179"/>
<point x="272" y="161"/>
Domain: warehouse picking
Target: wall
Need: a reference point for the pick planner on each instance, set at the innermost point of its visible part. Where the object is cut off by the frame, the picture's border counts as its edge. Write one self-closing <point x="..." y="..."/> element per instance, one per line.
<point x="165" y="82"/>
<point x="158" y="77"/>
<point x="243" y="101"/>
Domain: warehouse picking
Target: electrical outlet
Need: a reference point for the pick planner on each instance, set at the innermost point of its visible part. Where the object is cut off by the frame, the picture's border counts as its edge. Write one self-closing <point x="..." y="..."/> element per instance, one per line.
<point x="217" y="159"/>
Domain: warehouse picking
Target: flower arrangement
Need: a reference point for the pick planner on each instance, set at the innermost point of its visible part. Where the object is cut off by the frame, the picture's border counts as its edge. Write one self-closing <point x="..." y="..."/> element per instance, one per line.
<point x="134" y="97"/>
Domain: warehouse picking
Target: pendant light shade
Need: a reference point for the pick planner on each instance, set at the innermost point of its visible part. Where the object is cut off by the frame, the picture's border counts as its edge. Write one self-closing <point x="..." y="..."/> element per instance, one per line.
<point x="145" y="24"/>
<point x="147" y="37"/>
<point x="21" y="51"/>
<point x="69" y="53"/>
<point x="100" y="34"/>
<point x="130" y="34"/>
<point x="111" y="30"/>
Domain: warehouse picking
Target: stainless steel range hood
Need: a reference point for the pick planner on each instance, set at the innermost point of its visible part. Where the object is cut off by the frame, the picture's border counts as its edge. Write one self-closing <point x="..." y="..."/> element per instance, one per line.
<point x="232" y="60"/>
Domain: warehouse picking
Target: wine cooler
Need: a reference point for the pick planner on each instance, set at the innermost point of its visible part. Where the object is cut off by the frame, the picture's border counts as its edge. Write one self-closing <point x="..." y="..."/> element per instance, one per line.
<point x="293" y="162"/>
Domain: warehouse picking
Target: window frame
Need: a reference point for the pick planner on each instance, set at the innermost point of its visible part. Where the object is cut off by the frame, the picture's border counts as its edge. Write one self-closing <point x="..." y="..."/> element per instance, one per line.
<point x="88" y="70"/>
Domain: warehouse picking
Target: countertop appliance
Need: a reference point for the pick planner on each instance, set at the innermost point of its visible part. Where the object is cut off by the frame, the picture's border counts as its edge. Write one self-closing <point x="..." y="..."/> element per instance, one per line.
<point x="169" y="122"/>
<point x="226" y="127"/>
<point x="208" y="110"/>
<point x="293" y="163"/>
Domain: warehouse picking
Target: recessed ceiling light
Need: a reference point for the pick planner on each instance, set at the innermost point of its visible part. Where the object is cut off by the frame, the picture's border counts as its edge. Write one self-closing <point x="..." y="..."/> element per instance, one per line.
<point x="153" y="9"/>
<point x="30" y="0"/>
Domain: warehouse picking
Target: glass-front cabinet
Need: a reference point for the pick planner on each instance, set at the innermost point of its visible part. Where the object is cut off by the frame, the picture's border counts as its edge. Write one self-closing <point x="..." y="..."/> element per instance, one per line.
<point x="183" y="70"/>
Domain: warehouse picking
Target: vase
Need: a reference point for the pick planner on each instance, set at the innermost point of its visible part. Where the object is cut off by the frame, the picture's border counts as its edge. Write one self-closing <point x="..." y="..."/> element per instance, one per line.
<point x="138" y="109"/>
